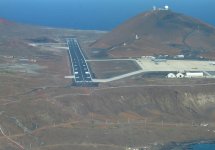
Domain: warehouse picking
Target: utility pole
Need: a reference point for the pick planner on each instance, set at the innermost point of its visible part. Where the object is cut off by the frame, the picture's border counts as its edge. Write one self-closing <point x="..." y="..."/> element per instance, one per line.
<point x="145" y="122"/>
<point x="128" y="120"/>
<point x="106" y="124"/>
<point x="91" y="116"/>
<point x="92" y="120"/>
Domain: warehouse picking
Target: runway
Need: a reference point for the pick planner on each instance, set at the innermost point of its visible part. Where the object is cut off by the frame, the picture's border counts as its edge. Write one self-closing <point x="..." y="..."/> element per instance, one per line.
<point x="79" y="66"/>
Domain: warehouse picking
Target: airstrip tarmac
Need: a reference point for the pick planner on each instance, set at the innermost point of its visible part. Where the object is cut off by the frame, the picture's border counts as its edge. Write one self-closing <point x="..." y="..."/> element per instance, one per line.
<point x="149" y="65"/>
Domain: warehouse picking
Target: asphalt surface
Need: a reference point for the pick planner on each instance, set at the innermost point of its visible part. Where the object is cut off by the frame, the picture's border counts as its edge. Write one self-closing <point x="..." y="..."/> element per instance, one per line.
<point x="82" y="74"/>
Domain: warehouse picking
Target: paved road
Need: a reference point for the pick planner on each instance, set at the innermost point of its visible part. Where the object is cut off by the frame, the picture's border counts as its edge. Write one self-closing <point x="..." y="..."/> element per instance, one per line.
<point x="119" y="77"/>
<point x="123" y="59"/>
<point x="11" y="140"/>
<point x="78" y="63"/>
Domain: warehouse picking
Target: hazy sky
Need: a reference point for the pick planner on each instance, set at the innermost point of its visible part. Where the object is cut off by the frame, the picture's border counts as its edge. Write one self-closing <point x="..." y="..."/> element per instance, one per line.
<point x="103" y="14"/>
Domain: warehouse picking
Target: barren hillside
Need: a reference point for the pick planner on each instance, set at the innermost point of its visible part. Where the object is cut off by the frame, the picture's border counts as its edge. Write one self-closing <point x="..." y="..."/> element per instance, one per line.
<point x="159" y="32"/>
<point x="40" y="110"/>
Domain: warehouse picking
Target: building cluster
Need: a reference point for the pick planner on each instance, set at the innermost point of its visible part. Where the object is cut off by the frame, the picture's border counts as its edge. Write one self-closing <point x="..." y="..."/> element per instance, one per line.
<point x="165" y="57"/>
<point x="8" y="57"/>
<point x="22" y="60"/>
<point x="139" y="148"/>
<point x="166" y="7"/>
<point x="186" y="75"/>
<point x="27" y="60"/>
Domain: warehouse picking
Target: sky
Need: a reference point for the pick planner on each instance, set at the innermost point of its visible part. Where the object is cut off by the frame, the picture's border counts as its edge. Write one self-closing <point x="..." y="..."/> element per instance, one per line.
<point x="96" y="14"/>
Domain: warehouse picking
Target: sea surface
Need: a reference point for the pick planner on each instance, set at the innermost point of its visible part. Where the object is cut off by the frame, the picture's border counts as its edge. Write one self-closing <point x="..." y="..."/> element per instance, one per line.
<point x="96" y="14"/>
<point x="202" y="147"/>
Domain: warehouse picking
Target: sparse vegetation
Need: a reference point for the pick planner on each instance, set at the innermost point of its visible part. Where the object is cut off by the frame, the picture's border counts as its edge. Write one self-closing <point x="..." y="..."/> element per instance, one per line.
<point x="43" y="111"/>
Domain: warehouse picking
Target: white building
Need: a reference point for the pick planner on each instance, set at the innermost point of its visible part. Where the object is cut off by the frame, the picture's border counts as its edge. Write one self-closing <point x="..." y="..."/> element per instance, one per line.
<point x="171" y="75"/>
<point x="212" y="63"/>
<point x="166" y="7"/>
<point x="180" y="75"/>
<point x="179" y="56"/>
<point x="194" y="74"/>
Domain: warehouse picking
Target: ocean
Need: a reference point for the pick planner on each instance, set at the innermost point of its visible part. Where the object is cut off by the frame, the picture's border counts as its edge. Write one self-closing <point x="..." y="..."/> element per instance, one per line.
<point x="96" y="14"/>
<point x="202" y="147"/>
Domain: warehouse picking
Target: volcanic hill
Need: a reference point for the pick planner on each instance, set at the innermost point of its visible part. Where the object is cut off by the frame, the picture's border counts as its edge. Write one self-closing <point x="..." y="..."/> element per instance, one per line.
<point x="5" y="22"/>
<point x="159" y="32"/>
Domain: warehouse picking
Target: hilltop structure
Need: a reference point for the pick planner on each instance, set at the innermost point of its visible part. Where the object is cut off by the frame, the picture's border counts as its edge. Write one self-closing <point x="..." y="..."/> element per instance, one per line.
<point x="166" y="7"/>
